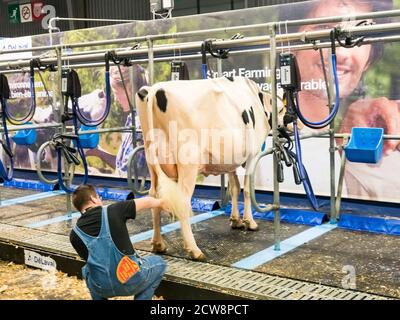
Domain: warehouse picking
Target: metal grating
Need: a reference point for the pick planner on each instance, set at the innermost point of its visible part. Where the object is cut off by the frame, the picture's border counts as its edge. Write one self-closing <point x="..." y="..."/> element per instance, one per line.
<point x="243" y="283"/>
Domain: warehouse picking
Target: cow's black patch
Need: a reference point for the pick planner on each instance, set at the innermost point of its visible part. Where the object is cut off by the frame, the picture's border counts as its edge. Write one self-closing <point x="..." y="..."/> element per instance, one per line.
<point x="245" y="117"/>
<point x="251" y="112"/>
<point x="229" y="78"/>
<point x="261" y="96"/>
<point x="269" y="120"/>
<point x="142" y="94"/>
<point x="161" y="100"/>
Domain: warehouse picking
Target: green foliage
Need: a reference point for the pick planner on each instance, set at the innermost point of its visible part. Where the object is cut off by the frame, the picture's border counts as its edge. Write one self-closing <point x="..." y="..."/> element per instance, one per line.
<point x="379" y="77"/>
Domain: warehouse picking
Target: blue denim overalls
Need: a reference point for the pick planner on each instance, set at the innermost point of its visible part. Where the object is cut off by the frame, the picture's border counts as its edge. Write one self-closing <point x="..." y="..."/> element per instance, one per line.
<point x="104" y="257"/>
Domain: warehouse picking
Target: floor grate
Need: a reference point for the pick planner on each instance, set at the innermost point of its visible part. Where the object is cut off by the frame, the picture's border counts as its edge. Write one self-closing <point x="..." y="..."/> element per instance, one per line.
<point x="243" y="283"/>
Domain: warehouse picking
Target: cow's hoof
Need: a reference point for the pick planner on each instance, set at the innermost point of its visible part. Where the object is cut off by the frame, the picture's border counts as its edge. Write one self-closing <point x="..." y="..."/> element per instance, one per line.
<point x="251" y="225"/>
<point x="237" y="223"/>
<point x="158" y="247"/>
<point x="197" y="257"/>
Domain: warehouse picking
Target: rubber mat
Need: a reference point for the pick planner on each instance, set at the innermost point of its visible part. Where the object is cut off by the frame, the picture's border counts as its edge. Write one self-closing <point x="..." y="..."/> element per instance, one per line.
<point x="221" y="244"/>
<point x="10" y="193"/>
<point x="33" y="211"/>
<point x="331" y="259"/>
<point x="142" y="223"/>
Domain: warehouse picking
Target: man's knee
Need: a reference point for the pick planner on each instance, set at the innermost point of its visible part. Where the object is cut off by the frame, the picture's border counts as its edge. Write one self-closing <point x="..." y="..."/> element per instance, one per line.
<point x="159" y="262"/>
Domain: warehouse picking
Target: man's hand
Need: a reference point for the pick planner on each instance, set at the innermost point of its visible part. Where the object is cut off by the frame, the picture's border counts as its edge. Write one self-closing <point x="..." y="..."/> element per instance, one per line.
<point x="150" y="203"/>
<point x="378" y="113"/>
<point x="164" y="205"/>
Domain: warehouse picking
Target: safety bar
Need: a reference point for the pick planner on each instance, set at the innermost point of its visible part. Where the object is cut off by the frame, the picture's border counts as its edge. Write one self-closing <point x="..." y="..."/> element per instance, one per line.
<point x="32" y="126"/>
<point x="207" y="32"/>
<point x="385" y="136"/>
<point x="319" y="45"/>
<point x="222" y="44"/>
<point x="47" y="126"/>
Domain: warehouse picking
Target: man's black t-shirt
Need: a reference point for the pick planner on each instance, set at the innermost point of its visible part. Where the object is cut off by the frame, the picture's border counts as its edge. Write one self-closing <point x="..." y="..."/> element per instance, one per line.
<point x="90" y="223"/>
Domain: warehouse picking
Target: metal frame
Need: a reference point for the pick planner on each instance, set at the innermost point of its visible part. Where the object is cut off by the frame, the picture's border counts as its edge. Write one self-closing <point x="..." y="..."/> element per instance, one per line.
<point x="314" y="38"/>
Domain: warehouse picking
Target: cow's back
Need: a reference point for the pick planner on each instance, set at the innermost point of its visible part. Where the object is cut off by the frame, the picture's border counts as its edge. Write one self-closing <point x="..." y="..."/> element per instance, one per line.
<point x="221" y="104"/>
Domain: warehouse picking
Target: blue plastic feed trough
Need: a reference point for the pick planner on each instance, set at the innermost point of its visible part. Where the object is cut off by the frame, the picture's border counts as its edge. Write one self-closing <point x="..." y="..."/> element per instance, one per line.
<point x="365" y="145"/>
<point x="90" y="140"/>
<point x="25" y="137"/>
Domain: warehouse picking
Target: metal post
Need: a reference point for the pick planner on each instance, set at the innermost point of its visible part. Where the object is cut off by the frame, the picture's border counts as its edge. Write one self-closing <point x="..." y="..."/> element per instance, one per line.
<point x="341" y="179"/>
<point x="275" y="138"/>
<point x="223" y="195"/>
<point x="333" y="213"/>
<point x="150" y="51"/>
<point x="133" y="109"/>
<point x="60" y="107"/>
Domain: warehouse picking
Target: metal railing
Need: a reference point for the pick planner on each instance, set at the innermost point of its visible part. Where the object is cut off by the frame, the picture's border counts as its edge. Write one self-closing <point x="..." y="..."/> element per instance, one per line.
<point x="310" y="40"/>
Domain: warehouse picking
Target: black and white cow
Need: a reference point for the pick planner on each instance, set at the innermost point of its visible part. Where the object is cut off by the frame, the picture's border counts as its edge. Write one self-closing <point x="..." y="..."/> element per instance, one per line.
<point x="207" y="127"/>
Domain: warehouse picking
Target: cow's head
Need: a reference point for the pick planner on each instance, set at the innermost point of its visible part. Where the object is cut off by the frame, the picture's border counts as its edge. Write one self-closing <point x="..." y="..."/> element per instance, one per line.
<point x="266" y="100"/>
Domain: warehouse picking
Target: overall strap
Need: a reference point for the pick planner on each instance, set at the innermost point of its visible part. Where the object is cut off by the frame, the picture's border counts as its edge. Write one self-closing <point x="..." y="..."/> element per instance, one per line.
<point x="82" y="235"/>
<point x="105" y="227"/>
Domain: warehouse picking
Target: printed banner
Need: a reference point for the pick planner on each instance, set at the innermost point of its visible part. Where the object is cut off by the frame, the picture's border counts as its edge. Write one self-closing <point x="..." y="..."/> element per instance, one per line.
<point x="368" y="76"/>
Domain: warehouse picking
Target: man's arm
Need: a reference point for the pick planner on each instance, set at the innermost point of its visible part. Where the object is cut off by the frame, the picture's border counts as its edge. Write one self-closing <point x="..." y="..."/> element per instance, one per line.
<point x="149" y="203"/>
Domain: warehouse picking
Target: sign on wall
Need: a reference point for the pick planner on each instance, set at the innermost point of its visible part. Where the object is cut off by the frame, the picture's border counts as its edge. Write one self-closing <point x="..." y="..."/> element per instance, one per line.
<point x="13" y="13"/>
<point x="25" y="11"/>
<point x="31" y="12"/>
<point x="15" y="44"/>
<point x="37" y="11"/>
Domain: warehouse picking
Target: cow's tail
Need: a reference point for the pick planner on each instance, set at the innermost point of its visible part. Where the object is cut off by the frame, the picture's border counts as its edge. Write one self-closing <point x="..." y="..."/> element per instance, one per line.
<point x="167" y="189"/>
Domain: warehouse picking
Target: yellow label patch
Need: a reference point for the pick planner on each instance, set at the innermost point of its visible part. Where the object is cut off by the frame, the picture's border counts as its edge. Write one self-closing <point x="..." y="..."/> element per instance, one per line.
<point x="126" y="269"/>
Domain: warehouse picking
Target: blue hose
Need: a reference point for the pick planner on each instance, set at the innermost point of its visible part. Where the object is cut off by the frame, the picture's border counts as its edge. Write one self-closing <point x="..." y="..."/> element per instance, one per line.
<point x="302" y="171"/>
<point x="332" y="115"/>
<point x="78" y="142"/>
<point x="315" y="125"/>
<point x="204" y="71"/>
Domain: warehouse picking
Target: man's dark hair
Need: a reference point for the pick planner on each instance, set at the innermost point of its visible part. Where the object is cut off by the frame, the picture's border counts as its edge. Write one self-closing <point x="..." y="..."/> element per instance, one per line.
<point x="82" y="195"/>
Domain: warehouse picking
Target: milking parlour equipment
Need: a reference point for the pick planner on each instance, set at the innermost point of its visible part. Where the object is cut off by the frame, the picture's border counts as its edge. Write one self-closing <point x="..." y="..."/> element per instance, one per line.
<point x="291" y="84"/>
<point x="137" y="155"/>
<point x="282" y="142"/>
<point x="25" y="137"/>
<point x="5" y="174"/>
<point x="84" y="134"/>
<point x="24" y="128"/>
<point x="310" y="40"/>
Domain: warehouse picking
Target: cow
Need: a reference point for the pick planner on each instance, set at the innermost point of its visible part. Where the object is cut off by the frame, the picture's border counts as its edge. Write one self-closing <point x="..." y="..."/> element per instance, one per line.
<point x="203" y="108"/>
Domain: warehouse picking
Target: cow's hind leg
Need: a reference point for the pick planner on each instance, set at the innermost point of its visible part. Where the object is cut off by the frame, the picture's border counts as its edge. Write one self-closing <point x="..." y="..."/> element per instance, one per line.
<point x="187" y="180"/>
<point x="248" y="215"/>
<point x="157" y="242"/>
<point x="234" y="189"/>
